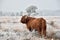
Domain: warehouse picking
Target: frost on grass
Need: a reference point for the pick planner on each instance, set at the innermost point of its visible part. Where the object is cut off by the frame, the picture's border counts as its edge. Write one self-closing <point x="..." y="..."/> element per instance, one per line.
<point x="12" y="29"/>
<point x="24" y="35"/>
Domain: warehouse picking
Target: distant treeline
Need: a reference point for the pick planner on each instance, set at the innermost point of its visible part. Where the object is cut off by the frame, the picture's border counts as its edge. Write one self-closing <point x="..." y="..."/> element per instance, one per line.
<point x="38" y="13"/>
<point x="10" y="14"/>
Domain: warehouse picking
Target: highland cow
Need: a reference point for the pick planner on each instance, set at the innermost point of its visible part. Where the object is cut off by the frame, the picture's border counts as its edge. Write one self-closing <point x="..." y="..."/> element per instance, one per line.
<point x="38" y="24"/>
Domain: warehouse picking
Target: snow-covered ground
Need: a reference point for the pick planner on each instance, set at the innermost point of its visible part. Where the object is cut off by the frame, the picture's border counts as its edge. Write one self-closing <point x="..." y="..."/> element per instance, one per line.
<point x="12" y="29"/>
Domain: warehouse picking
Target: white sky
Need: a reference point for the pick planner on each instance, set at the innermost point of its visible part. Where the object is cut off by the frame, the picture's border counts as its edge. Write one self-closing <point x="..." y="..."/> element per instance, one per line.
<point x="20" y="5"/>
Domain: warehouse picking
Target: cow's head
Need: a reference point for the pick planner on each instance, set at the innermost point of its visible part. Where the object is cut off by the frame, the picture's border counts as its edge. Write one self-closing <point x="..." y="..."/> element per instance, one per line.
<point x="24" y="19"/>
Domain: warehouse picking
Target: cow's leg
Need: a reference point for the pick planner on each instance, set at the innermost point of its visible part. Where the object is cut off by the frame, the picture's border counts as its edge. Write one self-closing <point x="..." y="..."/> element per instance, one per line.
<point x="39" y="31"/>
<point x="29" y="28"/>
<point x="41" y="28"/>
<point x="44" y="32"/>
<point x="44" y="28"/>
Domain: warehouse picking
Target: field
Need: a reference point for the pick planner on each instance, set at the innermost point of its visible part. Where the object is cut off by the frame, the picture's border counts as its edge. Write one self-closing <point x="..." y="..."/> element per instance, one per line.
<point x="12" y="29"/>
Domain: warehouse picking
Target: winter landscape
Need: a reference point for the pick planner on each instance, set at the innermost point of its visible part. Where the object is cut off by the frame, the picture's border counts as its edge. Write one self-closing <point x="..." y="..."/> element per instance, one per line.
<point x="12" y="29"/>
<point x="11" y="12"/>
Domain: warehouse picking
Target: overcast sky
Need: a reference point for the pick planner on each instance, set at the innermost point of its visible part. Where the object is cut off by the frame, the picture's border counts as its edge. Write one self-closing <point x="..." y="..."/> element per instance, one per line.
<point x="20" y="5"/>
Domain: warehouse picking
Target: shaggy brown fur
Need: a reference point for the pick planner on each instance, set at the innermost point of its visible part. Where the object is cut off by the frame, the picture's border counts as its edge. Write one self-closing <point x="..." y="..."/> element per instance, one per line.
<point x="38" y="24"/>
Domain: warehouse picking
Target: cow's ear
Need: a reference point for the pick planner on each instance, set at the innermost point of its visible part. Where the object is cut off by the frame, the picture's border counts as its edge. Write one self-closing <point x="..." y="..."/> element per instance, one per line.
<point x="26" y="16"/>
